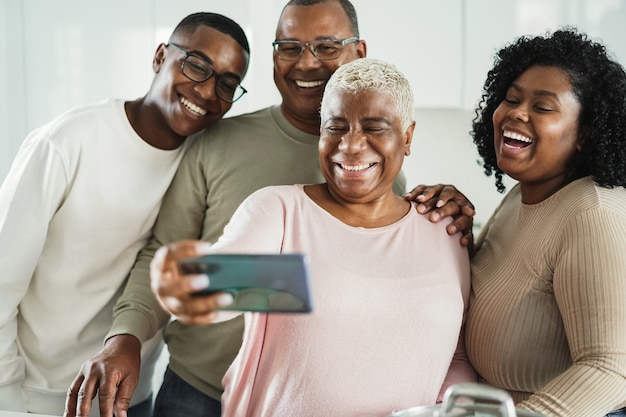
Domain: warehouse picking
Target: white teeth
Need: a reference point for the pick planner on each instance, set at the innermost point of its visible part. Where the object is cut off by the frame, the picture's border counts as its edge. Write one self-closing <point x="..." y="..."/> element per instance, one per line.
<point x="198" y="111"/>
<point x="355" y="167"/>
<point x="517" y="136"/>
<point x="309" y="84"/>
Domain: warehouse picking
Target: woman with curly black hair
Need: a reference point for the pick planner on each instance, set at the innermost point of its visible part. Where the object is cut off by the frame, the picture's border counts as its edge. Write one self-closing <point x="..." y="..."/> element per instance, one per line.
<point x="548" y="309"/>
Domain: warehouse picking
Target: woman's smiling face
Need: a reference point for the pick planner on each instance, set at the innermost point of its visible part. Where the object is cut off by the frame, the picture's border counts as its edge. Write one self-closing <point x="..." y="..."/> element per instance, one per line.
<point x="362" y="144"/>
<point x="536" y="131"/>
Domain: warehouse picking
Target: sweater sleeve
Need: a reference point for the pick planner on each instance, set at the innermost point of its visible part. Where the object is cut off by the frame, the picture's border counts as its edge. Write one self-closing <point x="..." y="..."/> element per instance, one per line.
<point x="137" y="311"/>
<point x="258" y="224"/>
<point x="30" y="195"/>
<point x="589" y="287"/>
<point x="460" y="369"/>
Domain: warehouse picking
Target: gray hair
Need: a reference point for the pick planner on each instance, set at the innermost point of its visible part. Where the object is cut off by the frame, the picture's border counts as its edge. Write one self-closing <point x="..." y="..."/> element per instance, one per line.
<point x="367" y="74"/>
<point x="345" y="4"/>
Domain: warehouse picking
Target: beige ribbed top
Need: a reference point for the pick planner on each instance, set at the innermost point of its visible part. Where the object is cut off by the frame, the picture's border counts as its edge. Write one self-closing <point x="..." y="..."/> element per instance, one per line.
<point x="547" y="318"/>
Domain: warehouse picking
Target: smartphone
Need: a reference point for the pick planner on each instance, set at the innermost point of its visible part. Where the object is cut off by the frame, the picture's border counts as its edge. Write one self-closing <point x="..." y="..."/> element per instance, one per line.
<point x="258" y="282"/>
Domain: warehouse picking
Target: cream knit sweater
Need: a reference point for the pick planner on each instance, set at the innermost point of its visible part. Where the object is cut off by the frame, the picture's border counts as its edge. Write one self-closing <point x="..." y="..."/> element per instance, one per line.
<point x="547" y="315"/>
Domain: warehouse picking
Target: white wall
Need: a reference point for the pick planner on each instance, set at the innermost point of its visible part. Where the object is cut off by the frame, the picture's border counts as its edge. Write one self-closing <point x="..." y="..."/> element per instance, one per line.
<point x="62" y="53"/>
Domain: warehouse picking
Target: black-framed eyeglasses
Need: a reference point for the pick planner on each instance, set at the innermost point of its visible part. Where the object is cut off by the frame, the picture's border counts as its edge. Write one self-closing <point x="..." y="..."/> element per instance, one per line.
<point x="197" y="69"/>
<point x="321" y="49"/>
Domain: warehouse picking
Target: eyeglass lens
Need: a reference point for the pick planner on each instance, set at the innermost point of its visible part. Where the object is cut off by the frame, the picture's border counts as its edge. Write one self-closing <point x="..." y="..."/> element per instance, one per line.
<point x="198" y="70"/>
<point x="321" y="49"/>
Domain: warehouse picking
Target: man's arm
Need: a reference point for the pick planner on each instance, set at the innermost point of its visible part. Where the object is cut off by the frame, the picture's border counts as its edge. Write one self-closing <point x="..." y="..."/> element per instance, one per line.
<point x="29" y="197"/>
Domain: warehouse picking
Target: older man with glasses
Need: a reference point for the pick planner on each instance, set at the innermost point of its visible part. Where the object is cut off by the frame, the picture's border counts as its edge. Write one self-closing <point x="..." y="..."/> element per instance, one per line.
<point x="273" y="146"/>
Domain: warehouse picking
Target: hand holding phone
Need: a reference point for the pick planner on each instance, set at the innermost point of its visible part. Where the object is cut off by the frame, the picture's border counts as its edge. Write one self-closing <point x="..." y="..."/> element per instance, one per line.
<point x="258" y="282"/>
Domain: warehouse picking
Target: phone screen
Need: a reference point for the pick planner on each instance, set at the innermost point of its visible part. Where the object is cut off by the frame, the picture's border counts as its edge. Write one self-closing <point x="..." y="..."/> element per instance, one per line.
<point x="258" y="282"/>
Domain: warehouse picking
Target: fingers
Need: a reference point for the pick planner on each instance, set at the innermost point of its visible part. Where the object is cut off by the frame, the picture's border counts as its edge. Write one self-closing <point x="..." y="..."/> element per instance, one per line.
<point x="467" y="240"/>
<point x="179" y="299"/>
<point x="118" y="369"/>
<point x="433" y="197"/>
<point x="449" y="192"/>
<point x="82" y="391"/>
<point x="445" y="201"/>
<point x="202" y="309"/>
<point x="423" y="193"/>
<point x="166" y="258"/>
<point x="461" y="222"/>
<point x="112" y="374"/>
<point x="122" y="400"/>
<point x="107" y="398"/>
<point x="71" y="398"/>
<point x="165" y="277"/>
<point x="439" y="210"/>
<point x="462" y="225"/>
<point x="116" y="390"/>
<point x="176" y="292"/>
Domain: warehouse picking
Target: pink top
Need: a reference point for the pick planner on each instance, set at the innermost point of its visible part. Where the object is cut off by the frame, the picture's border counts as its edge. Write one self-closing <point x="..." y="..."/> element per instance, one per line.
<point x="388" y="305"/>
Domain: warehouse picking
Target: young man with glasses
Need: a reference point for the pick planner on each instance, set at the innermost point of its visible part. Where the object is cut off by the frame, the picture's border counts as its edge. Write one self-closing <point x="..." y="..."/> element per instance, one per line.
<point x="79" y="203"/>
<point x="197" y="67"/>
<point x="273" y="146"/>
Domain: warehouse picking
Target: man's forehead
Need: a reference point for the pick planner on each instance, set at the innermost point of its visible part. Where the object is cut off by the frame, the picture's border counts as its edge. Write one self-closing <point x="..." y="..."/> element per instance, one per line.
<point x="319" y="21"/>
<point x="220" y="49"/>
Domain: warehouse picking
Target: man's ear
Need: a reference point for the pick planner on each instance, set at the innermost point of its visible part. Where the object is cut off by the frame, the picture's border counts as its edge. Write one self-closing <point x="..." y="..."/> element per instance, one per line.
<point x="159" y="57"/>
<point x="361" y="49"/>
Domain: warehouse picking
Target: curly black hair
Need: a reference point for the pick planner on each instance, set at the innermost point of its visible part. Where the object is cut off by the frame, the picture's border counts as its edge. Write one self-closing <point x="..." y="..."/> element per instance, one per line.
<point x="599" y="83"/>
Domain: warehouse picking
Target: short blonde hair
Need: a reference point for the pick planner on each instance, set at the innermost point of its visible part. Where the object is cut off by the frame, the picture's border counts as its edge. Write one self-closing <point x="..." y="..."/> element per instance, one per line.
<point x="367" y="74"/>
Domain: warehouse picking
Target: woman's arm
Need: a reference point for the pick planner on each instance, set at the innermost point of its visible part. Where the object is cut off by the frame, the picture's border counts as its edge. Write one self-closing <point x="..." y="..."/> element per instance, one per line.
<point x="590" y="291"/>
